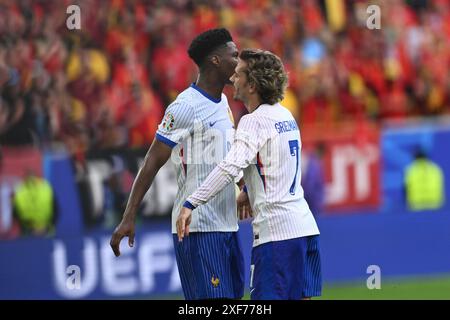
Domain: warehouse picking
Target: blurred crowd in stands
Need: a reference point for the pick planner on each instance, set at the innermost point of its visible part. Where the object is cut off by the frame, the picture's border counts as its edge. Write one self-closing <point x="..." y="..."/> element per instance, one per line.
<point x="106" y="85"/>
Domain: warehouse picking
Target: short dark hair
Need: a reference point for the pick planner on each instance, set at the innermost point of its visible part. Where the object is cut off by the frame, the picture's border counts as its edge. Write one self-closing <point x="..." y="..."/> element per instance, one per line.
<point x="266" y="71"/>
<point x="207" y="42"/>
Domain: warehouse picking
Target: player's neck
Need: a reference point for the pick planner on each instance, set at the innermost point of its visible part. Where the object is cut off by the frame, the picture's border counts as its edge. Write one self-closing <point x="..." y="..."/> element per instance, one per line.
<point x="252" y="103"/>
<point x="210" y="84"/>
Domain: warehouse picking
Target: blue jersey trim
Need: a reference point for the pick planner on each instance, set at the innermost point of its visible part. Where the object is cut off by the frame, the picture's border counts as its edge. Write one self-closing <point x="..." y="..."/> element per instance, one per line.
<point x="166" y="141"/>
<point x="188" y="205"/>
<point x="206" y="95"/>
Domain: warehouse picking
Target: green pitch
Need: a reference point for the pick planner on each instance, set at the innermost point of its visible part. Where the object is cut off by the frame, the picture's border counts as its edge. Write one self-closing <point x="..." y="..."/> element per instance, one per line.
<point x="418" y="288"/>
<point x="399" y="289"/>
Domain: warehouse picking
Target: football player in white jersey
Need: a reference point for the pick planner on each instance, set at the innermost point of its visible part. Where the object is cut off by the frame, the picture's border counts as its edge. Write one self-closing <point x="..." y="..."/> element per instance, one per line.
<point x="196" y="132"/>
<point x="285" y="254"/>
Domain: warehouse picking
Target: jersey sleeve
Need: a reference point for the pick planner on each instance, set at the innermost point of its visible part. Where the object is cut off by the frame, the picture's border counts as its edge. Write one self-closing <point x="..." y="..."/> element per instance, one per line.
<point x="248" y="140"/>
<point x="242" y="153"/>
<point x="176" y="125"/>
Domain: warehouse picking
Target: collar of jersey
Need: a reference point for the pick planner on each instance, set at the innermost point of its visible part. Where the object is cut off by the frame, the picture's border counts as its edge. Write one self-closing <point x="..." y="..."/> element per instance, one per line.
<point x="206" y="95"/>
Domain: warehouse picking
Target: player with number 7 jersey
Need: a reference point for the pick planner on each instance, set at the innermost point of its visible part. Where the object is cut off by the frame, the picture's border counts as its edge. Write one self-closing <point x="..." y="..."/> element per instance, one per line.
<point x="267" y="144"/>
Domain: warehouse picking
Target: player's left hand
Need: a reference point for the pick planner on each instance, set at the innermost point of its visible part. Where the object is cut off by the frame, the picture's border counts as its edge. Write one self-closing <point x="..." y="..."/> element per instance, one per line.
<point x="243" y="206"/>
<point x="183" y="222"/>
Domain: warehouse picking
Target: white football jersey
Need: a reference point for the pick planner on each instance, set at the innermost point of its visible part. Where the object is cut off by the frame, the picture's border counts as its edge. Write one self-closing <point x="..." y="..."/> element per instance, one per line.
<point x="200" y="129"/>
<point x="267" y="147"/>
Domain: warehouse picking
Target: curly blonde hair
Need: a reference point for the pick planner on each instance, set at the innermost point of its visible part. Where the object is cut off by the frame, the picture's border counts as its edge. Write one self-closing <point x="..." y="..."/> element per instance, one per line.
<point x="266" y="71"/>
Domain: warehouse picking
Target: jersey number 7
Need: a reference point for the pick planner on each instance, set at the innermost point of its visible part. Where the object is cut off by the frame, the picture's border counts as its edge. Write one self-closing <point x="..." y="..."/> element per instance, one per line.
<point x="293" y="146"/>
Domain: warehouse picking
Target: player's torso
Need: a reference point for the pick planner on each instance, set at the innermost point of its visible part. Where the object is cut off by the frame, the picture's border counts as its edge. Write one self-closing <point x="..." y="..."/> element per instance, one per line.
<point x="207" y="145"/>
<point x="275" y="190"/>
<point x="276" y="173"/>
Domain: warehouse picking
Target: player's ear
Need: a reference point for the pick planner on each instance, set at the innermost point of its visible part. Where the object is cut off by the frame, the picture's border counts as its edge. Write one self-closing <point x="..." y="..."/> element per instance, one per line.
<point x="215" y="60"/>
<point x="251" y="88"/>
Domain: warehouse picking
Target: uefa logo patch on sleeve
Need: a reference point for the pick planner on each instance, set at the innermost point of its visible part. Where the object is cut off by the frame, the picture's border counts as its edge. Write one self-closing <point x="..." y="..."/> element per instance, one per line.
<point x="168" y="121"/>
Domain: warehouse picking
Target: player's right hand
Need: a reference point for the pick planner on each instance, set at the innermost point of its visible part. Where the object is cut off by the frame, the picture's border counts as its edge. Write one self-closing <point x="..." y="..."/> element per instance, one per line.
<point x="124" y="229"/>
<point x="243" y="206"/>
<point x="183" y="221"/>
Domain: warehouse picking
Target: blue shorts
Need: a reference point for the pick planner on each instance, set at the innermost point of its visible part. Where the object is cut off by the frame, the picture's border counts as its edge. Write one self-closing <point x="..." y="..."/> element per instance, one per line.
<point x="211" y="265"/>
<point x="286" y="270"/>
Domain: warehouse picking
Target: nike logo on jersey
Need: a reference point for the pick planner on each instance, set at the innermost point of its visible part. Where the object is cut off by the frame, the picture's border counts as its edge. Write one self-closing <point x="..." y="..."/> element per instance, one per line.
<point x="212" y="123"/>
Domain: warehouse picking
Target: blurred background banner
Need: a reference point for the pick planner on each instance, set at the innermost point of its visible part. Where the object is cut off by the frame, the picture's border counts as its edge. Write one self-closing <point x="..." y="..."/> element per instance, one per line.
<point x="80" y="103"/>
<point x="350" y="159"/>
<point x="46" y="268"/>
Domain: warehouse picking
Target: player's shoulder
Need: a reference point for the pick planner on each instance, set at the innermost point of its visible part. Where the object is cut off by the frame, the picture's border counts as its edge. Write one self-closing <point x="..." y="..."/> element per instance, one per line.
<point x="249" y="121"/>
<point x="264" y="113"/>
<point x="248" y="117"/>
<point x="184" y="102"/>
<point x="275" y="109"/>
<point x="282" y="109"/>
<point x="274" y="113"/>
<point x="194" y="97"/>
<point x="186" y="96"/>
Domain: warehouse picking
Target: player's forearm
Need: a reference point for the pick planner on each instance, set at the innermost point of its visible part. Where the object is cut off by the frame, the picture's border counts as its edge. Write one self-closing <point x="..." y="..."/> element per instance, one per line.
<point x="239" y="157"/>
<point x="213" y="184"/>
<point x="141" y="184"/>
